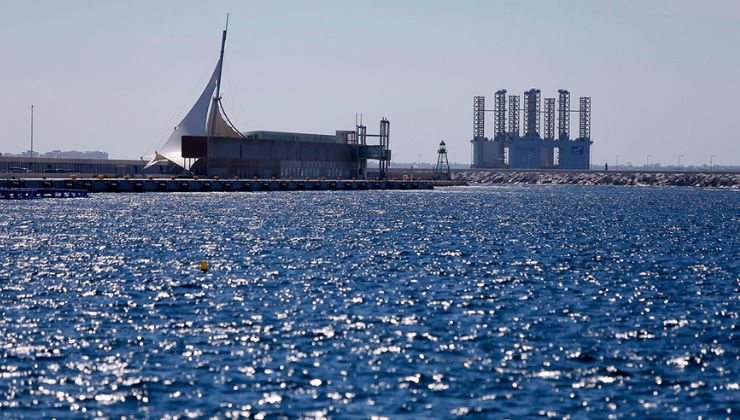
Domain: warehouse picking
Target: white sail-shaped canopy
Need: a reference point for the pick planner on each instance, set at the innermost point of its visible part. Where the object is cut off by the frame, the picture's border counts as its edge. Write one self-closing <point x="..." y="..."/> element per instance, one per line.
<point x="221" y="127"/>
<point x="198" y="122"/>
<point x="194" y="124"/>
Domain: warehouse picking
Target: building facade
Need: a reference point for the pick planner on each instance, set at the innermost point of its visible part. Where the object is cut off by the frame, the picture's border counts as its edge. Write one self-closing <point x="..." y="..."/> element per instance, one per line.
<point x="267" y="154"/>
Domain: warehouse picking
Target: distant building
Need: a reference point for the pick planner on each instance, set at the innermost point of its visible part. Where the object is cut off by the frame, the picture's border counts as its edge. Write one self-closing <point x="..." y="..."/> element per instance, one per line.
<point x="24" y="154"/>
<point x="73" y="154"/>
<point x="58" y="154"/>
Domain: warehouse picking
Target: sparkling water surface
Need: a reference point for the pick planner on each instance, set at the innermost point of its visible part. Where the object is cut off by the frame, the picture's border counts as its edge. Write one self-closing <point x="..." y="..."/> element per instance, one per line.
<point x="558" y="301"/>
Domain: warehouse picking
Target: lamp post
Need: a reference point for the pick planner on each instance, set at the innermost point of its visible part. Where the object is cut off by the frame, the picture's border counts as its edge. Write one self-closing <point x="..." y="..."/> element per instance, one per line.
<point x="679" y="161"/>
<point x="616" y="161"/>
<point x="711" y="162"/>
<point x="647" y="161"/>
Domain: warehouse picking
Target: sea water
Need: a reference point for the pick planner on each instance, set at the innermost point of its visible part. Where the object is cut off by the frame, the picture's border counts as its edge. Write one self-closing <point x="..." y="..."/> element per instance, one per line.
<point x="491" y="302"/>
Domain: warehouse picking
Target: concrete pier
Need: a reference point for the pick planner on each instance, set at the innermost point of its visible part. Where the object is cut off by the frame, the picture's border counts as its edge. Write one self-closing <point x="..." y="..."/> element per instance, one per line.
<point x="123" y="185"/>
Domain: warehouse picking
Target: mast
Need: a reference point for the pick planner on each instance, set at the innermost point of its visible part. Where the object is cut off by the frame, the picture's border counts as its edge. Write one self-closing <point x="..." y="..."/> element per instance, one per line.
<point x="221" y="60"/>
<point x="217" y="98"/>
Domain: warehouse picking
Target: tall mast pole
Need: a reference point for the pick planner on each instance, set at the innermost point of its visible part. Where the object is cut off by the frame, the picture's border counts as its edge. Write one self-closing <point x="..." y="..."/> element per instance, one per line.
<point x="31" y="130"/>
<point x="217" y="98"/>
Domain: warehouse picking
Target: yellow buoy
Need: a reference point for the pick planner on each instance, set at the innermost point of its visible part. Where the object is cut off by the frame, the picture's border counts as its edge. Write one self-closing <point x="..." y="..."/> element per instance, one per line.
<point x="204" y="265"/>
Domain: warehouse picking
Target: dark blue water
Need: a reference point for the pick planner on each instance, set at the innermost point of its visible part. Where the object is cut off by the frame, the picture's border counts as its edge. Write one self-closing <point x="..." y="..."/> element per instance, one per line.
<point x="491" y="302"/>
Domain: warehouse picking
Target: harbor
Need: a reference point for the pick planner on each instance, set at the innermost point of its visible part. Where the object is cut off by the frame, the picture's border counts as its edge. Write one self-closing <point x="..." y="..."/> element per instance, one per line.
<point x="245" y="209"/>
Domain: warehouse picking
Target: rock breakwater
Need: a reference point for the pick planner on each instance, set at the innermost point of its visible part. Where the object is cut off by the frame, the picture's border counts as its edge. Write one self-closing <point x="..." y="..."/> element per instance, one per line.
<point x="690" y="179"/>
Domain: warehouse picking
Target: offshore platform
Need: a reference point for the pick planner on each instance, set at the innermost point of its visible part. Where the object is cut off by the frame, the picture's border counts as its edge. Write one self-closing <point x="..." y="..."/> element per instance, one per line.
<point x="531" y="148"/>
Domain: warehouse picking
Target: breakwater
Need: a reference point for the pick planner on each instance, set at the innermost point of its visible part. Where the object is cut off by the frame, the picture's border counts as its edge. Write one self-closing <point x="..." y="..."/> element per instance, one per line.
<point x="99" y="185"/>
<point x="692" y="179"/>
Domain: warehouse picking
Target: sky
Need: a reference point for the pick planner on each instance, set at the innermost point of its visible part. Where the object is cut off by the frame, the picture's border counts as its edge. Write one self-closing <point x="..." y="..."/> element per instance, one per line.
<point x="117" y="76"/>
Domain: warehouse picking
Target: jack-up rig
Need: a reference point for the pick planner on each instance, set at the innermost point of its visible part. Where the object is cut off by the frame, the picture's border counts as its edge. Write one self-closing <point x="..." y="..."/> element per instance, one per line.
<point x="533" y="148"/>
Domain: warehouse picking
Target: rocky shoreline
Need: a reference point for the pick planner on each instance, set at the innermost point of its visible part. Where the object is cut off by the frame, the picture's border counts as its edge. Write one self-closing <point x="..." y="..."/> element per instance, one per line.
<point x="688" y="179"/>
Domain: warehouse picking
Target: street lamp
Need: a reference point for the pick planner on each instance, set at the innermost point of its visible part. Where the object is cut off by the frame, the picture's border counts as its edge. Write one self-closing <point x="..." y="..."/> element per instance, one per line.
<point x="647" y="161"/>
<point x="616" y="161"/>
<point x="711" y="162"/>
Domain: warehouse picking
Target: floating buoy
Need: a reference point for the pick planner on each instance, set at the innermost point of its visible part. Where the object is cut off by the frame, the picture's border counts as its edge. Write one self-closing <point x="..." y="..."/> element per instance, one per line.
<point x="204" y="265"/>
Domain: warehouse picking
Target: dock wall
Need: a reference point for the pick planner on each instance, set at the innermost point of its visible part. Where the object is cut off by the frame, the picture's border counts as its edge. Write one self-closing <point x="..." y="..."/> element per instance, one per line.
<point x="122" y="185"/>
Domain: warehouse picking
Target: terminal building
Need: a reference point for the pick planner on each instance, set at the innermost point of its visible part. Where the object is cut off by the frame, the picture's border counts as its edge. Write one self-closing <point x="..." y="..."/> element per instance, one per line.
<point x="267" y="154"/>
<point x="12" y="166"/>
<point x="530" y="145"/>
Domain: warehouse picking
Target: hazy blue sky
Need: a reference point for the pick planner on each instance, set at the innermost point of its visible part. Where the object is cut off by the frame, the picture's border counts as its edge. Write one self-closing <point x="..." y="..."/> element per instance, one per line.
<point x="664" y="75"/>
